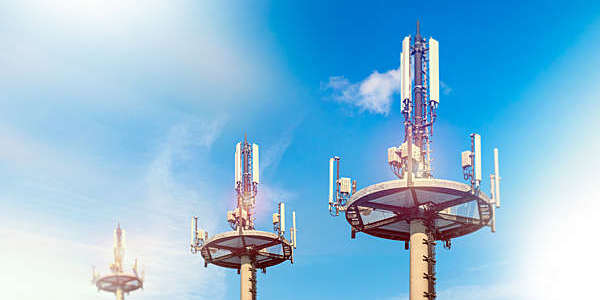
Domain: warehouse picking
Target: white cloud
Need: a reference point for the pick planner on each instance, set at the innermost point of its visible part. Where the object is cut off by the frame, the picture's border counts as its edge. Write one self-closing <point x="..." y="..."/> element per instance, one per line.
<point x="373" y="94"/>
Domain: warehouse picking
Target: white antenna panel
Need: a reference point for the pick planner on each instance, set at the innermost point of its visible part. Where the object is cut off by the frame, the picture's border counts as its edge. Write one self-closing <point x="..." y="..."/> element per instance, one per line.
<point x="255" y="168"/>
<point x="393" y="156"/>
<point x="434" y="71"/>
<point x="294" y="226"/>
<point x="282" y="217"/>
<point x="405" y="82"/>
<point x="193" y="231"/>
<point x="402" y="85"/>
<point x="465" y="158"/>
<point x="238" y="163"/>
<point x="497" y="177"/>
<point x="345" y="185"/>
<point x="493" y="188"/>
<point x="477" y="158"/>
<point x="493" y="219"/>
<point x="331" y="180"/>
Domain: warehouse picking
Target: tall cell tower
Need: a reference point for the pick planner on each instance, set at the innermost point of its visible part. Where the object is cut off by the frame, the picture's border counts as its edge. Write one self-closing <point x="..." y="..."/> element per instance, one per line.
<point x="119" y="282"/>
<point x="417" y="208"/>
<point x="245" y="248"/>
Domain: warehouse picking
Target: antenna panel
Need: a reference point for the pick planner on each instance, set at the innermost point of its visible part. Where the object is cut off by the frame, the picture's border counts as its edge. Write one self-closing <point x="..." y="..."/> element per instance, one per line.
<point x="331" y="181"/>
<point x="294" y="226"/>
<point x="434" y="71"/>
<point x="493" y="219"/>
<point x="477" y="157"/>
<point x="493" y="188"/>
<point x="402" y="84"/>
<point x="123" y="239"/>
<point x="282" y="217"/>
<point x="405" y="82"/>
<point x="393" y="157"/>
<point x="255" y="168"/>
<point x="238" y="163"/>
<point x="416" y="151"/>
<point x="465" y="158"/>
<point x="345" y="185"/>
<point x="497" y="177"/>
<point x="194" y="231"/>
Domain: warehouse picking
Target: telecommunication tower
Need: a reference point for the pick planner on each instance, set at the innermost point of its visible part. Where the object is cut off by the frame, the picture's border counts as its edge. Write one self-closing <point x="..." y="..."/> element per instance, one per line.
<point x="245" y="248"/>
<point x="119" y="282"/>
<point x="417" y="208"/>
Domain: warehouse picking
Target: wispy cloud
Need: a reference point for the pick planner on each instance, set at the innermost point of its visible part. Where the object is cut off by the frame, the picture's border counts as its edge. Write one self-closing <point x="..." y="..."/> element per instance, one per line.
<point x="446" y="89"/>
<point x="32" y="260"/>
<point x="270" y="195"/>
<point x="274" y="152"/>
<point x="170" y="204"/>
<point x="373" y="94"/>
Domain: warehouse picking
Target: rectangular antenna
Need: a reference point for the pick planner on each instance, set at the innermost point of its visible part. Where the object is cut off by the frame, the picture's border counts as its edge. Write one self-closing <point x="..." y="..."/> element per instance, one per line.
<point x="282" y="217"/>
<point x="434" y="71"/>
<point x="405" y="82"/>
<point x="255" y="168"/>
<point x="493" y="188"/>
<point x="193" y="231"/>
<point x="493" y="219"/>
<point x="497" y="177"/>
<point x="331" y="181"/>
<point x="477" y="157"/>
<point x="402" y="84"/>
<point x="345" y="185"/>
<point x="294" y="226"/>
<point x="238" y="163"/>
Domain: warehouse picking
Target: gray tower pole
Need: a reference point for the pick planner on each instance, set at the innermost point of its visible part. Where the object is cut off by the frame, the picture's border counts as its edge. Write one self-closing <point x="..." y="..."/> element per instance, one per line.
<point x="119" y="294"/>
<point x="246" y="278"/>
<point x="418" y="266"/>
<point x="420" y="260"/>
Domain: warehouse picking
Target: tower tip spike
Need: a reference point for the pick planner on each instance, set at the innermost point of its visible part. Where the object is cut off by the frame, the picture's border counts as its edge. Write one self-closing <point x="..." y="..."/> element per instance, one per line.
<point x="418" y="27"/>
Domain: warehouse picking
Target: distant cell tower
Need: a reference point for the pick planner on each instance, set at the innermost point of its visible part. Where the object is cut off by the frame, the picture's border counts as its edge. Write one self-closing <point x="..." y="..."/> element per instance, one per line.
<point x="417" y="208"/>
<point x="119" y="282"/>
<point x="245" y="248"/>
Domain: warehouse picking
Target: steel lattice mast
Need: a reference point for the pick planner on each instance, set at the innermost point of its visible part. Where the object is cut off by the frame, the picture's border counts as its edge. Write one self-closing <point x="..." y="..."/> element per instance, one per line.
<point x="119" y="282"/>
<point x="245" y="248"/>
<point x="417" y="208"/>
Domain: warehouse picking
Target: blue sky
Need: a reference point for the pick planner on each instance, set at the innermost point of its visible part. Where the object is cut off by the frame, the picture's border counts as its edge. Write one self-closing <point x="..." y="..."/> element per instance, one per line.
<point x="115" y="111"/>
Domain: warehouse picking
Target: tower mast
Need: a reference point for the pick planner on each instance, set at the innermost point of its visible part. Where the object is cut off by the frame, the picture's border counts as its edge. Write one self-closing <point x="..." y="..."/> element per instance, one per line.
<point x="245" y="248"/>
<point x="417" y="208"/>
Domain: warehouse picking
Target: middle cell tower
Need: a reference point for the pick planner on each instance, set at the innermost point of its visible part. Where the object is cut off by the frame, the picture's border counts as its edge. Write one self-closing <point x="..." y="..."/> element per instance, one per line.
<point x="416" y="207"/>
<point x="245" y="248"/>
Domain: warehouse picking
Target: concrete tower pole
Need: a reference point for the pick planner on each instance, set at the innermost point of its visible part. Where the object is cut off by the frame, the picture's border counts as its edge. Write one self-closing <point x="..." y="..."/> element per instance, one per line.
<point x="246" y="278"/>
<point x="419" y="285"/>
<point x="119" y="293"/>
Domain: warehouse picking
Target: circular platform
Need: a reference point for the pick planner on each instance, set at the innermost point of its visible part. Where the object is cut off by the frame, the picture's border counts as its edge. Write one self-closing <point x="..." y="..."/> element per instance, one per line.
<point x="127" y="283"/>
<point x="385" y="209"/>
<point x="226" y="249"/>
